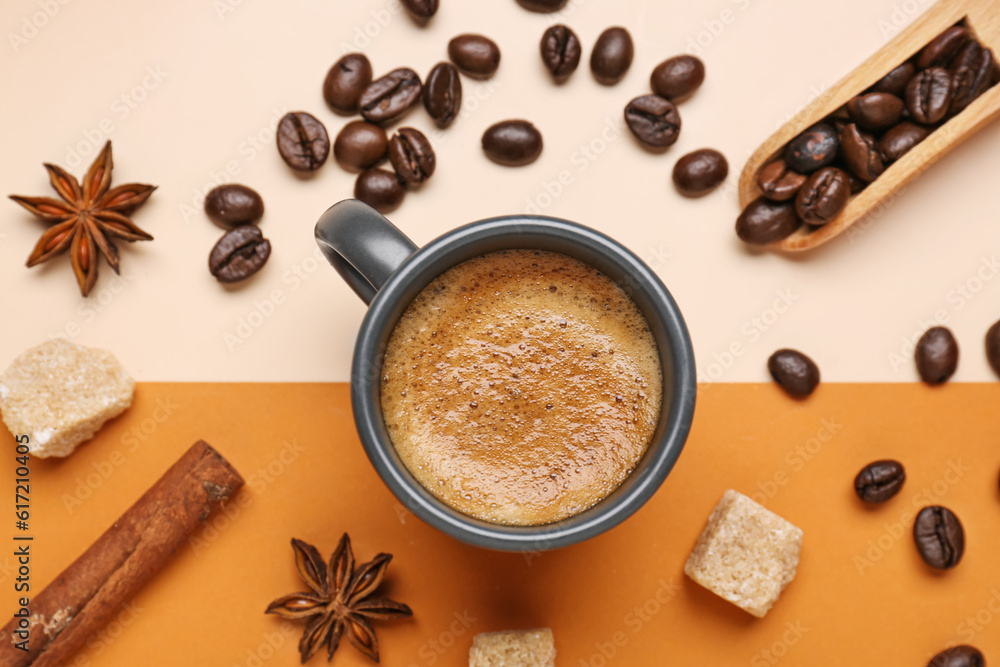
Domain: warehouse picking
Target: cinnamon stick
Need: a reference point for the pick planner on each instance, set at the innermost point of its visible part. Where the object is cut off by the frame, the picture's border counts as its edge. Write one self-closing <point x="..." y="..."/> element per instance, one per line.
<point x="84" y="597"/>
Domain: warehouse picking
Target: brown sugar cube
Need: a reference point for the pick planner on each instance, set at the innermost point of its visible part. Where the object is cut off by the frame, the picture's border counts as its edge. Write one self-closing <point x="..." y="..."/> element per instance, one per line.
<point x="747" y="554"/>
<point x="59" y="394"/>
<point x="514" y="648"/>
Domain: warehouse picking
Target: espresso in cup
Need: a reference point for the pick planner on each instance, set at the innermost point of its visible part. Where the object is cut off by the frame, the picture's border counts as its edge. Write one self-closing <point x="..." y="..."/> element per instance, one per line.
<point x="521" y="387"/>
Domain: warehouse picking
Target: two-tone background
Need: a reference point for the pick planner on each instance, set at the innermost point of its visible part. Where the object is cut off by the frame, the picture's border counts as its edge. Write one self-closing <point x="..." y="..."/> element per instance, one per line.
<point x="190" y="92"/>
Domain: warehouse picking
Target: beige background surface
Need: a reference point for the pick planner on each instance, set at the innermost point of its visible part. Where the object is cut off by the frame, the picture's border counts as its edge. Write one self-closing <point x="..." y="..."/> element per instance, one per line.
<point x="190" y="90"/>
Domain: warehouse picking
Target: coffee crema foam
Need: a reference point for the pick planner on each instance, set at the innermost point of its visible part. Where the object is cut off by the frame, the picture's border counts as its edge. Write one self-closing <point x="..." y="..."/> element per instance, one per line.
<point x="521" y="387"/>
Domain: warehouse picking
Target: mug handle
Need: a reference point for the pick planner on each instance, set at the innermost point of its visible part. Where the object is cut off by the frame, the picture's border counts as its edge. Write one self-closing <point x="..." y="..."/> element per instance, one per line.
<point x="362" y="245"/>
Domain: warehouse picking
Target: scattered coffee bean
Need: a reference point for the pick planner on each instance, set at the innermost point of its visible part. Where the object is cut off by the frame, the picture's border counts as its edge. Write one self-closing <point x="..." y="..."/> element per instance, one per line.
<point x="958" y="656"/>
<point x="895" y="143"/>
<point x="880" y="480"/>
<point x="561" y="51"/>
<point x="380" y="189"/>
<point x="390" y="96"/>
<point x="814" y="148"/>
<point x="411" y="155"/>
<point x="345" y="82"/>
<point x="823" y="196"/>
<point x="993" y="347"/>
<point x="928" y="95"/>
<point x="477" y="56"/>
<point x="936" y="355"/>
<point x="544" y="6"/>
<point x="239" y="254"/>
<point x="612" y="55"/>
<point x="232" y="204"/>
<point x="778" y="182"/>
<point x="764" y="221"/>
<point x="943" y="48"/>
<point x="860" y="154"/>
<point x="794" y="372"/>
<point x="421" y="9"/>
<point x="700" y="171"/>
<point x="360" y="145"/>
<point x="939" y="536"/>
<point x="512" y="143"/>
<point x="972" y="74"/>
<point x="875" y="111"/>
<point x="443" y="94"/>
<point x="654" y="120"/>
<point x="302" y="141"/>
<point x="895" y="81"/>
<point x="677" y="77"/>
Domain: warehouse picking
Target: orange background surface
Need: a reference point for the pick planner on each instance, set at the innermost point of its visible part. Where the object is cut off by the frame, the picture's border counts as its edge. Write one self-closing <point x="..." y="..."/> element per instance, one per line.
<point x="862" y="594"/>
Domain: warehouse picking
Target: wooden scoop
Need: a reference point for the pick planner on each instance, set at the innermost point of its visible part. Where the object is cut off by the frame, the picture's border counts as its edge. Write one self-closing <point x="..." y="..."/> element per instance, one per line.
<point x="983" y="19"/>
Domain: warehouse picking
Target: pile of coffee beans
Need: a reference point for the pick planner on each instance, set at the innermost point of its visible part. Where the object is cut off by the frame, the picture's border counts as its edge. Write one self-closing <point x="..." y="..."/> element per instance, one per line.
<point x="812" y="179"/>
<point x="362" y="145"/>
<point x="242" y="251"/>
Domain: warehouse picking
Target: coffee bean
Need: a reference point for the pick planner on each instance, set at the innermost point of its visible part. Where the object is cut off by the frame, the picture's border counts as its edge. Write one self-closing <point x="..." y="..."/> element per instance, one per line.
<point x="936" y="355"/>
<point x="860" y="153"/>
<point x="895" y="143"/>
<point x="993" y="347"/>
<point x="823" y="196"/>
<point x="477" y="56"/>
<point x="928" y="95"/>
<point x="360" y="145"/>
<point x="895" y="81"/>
<point x="778" y="182"/>
<point x="411" y="155"/>
<point x="239" y="254"/>
<point x="700" y="171"/>
<point x="654" y="120"/>
<point x="677" y="77"/>
<point x="958" y="656"/>
<point x="512" y="143"/>
<point x="561" y="51"/>
<point x="612" y="55"/>
<point x="233" y="204"/>
<point x="794" y="372"/>
<point x="880" y="480"/>
<point x="875" y="111"/>
<point x="302" y="141"/>
<point x="544" y="6"/>
<point x="943" y="48"/>
<point x="345" y="82"/>
<point x="972" y="74"/>
<point x="939" y="537"/>
<point x="443" y="94"/>
<point x="380" y="189"/>
<point x="421" y="9"/>
<point x="389" y="97"/>
<point x="814" y="148"/>
<point x="764" y="221"/>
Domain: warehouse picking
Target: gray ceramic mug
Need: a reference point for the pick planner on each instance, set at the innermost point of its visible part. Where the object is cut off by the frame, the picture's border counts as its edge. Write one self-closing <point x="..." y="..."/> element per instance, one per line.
<point x="387" y="271"/>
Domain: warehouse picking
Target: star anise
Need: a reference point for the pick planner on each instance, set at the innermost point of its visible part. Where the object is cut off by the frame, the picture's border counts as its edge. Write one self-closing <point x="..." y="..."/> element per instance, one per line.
<point x="88" y="218"/>
<point x="341" y="600"/>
